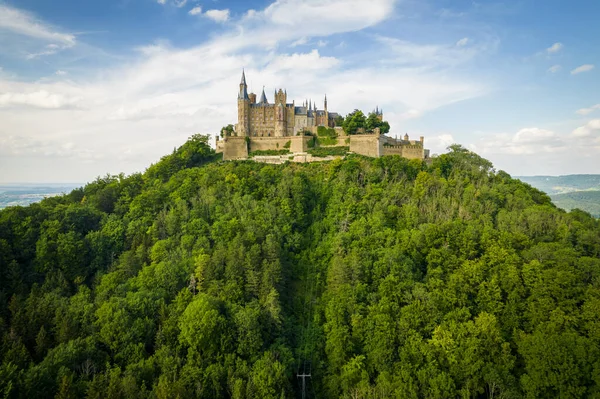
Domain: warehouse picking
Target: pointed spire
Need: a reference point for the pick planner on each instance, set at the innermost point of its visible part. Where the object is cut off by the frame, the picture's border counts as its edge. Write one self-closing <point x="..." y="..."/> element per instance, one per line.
<point x="243" y="94"/>
<point x="309" y="104"/>
<point x="263" y="97"/>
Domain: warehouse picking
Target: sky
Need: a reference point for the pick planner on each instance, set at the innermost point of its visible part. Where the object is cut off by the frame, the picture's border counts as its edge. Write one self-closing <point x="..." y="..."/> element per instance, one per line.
<point x="90" y="88"/>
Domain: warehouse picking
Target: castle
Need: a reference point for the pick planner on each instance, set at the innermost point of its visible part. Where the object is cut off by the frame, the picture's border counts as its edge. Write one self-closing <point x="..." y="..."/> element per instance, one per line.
<point x="281" y="125"/>
<point x="278" y="119"/>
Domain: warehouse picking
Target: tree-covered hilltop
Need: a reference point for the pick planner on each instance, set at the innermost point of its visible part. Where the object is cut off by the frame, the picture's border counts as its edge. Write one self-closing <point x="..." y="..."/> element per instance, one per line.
<point x="381" y="278"/>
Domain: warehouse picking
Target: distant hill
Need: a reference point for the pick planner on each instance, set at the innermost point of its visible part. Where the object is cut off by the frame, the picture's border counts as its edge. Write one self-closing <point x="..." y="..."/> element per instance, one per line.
<point x="570" y="191"/>
<point x="563" y="184"/>
<point x="25" y="194"/>
<point x="588" y="201"/>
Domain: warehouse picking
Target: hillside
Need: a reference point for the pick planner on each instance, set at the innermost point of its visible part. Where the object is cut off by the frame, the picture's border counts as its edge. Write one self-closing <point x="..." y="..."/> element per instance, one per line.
<point x="378" y="277"/>
<point x="570" y="191"/>
<point x="588" y="201"/>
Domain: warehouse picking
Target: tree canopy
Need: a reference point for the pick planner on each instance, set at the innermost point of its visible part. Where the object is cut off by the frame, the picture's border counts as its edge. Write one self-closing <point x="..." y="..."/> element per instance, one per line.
<point x="385" y="278"/>
<point x="357" y="120"/>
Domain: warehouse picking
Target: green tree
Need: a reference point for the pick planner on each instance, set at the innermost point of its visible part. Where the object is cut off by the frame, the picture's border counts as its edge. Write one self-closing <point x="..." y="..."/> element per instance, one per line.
<point x="354" y="121"/>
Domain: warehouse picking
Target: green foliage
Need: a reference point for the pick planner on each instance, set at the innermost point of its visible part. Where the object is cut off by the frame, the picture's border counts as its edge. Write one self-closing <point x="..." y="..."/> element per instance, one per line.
<point x="287" y="144"/>
<point x="373" y="122"/>
<point x="323" y="131"/>
<point x="194" y="152"/>
<point x="354" y="121"/>
<point x="384" y="277"/>
<point x="357" y="120"/>
<point x="227" y="131"/>
<point x="327" y="151"/>
<point x="339" y="120"/>
<point x="327" y="141"/>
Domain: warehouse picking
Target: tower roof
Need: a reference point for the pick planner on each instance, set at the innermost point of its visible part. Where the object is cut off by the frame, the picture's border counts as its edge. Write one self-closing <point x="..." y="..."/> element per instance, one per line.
<point x="263" y="97"/>
<point x="243" y="94"/>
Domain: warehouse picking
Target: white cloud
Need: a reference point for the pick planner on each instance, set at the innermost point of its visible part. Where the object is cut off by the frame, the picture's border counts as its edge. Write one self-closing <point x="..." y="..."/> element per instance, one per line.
<point x="61" y="73"/>
<point x="462" y="42"/>
<point x="179" y="3"/>
<point x="526" y="141"/>
<point x="438" y="143"/>
<point x="163" y="2"/>
<point x="218" y="15"/>
<point x="23" y="145"/>
<point x="582" y="68"/>
<point x="300" y="42"/>
<point x="312" y="61"/>
<point x="30" y="36"/>
<point x="291" y="19"/>
<point x="23" y="23"/>
<point x="411" y="54"/>
<point x="555" y="48"/>
<point x="195" y="11"/>
<point x="554" y="68"/>
<point x="322" y="43"/>
<point x="38" y="99"/>
<point x="587" y="111"/>
<point x="411" y="114"/>
<point x="538" y="151"/>
<point x="589" y="129"/>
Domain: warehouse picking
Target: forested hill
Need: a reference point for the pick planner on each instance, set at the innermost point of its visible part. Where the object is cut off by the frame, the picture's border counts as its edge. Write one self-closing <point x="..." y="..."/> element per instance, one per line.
<point x="381" y="278"/>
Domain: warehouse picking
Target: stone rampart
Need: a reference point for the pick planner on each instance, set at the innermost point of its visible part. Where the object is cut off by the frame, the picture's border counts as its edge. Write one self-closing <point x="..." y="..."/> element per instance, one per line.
<point x="268" y="143"/>
<point x="369" y="145"/>
<point x="299" y="143"/>
<point x="407" y="151"/>
<point x="235" y="148"/>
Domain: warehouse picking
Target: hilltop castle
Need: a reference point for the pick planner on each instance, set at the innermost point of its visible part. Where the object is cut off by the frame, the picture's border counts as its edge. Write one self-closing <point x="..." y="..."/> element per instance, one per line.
<point x="279" y="119"/>
<point x="281" y="125"/>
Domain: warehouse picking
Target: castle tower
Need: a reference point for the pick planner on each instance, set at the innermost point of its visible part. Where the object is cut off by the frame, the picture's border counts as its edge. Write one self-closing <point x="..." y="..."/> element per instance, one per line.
<point x="243" y="125"/>
<point x="326" y="116"/>
<point x="280" y="114"/>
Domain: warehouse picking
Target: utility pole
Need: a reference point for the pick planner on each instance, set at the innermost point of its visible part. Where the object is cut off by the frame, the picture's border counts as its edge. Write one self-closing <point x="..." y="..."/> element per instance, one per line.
<point x="303" y="376"/>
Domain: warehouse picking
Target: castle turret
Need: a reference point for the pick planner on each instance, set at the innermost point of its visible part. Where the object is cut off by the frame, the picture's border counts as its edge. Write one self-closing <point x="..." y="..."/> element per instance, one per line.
<point x="325" y="102"/>
<point x="243" y="108"/>
<point x="280" y="113"/>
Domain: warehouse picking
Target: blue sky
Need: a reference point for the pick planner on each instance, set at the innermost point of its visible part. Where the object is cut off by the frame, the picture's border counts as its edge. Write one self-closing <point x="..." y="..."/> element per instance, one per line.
<point x="95" y="87"/>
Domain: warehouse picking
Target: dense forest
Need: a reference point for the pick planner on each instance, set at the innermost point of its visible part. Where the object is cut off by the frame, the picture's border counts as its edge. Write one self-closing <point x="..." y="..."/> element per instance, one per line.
<point x="381" y="278"/>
